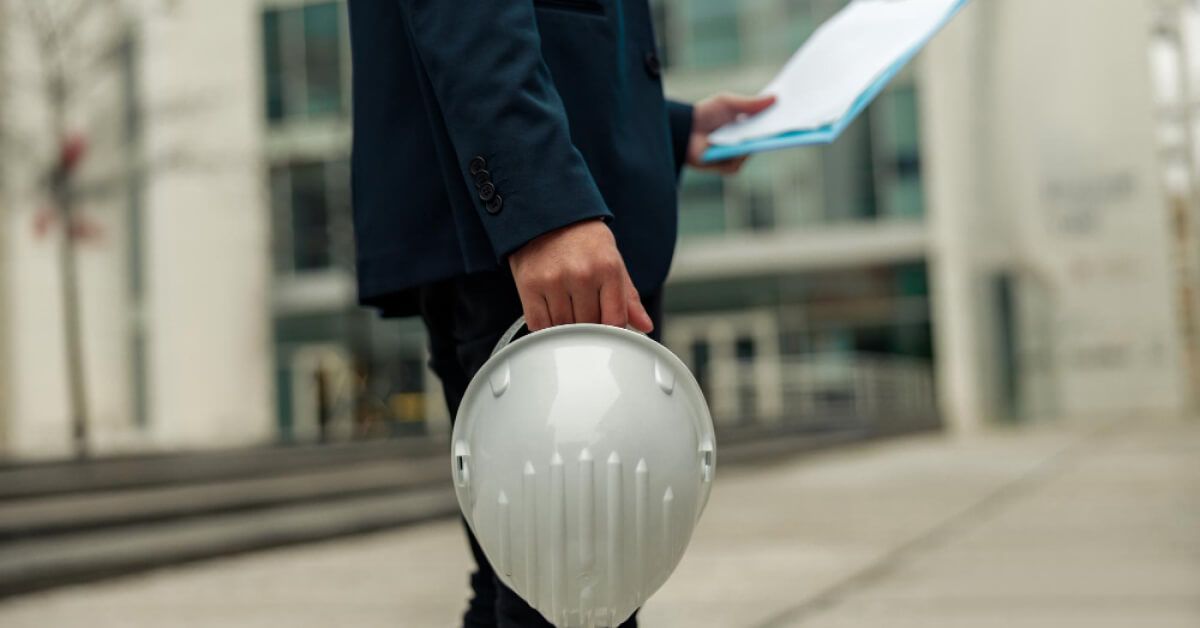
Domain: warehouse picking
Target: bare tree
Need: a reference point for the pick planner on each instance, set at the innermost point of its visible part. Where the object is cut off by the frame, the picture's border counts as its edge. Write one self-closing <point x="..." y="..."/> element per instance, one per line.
<point x="75" y="43"/>
<point x="84" y="99"/>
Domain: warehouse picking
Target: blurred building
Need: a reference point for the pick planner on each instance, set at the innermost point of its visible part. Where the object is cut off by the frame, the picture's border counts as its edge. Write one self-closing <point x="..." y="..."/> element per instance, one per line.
<point x="169" y="227"/>
<point x="1062" y="274"/>
<point x="999" y="206"/>
<point x="338" y="368"/>
<point x="992" y="224"/>
<point x="800" y="290"/>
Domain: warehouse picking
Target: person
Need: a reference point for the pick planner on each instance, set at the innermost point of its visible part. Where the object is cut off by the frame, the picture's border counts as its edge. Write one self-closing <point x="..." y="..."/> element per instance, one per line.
<point x="516" y="157"/>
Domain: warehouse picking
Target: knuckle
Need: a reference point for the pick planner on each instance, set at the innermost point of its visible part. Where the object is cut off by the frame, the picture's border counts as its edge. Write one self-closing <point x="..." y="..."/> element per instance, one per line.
<point x="533" y="284"/>
<point x="610" y="265"/>
<point x="551" y="277"/>
<point x="579" y="272"/>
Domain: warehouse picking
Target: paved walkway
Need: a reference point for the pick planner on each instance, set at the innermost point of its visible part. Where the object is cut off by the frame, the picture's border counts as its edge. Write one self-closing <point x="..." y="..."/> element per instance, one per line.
<point x="1054" y="528"/>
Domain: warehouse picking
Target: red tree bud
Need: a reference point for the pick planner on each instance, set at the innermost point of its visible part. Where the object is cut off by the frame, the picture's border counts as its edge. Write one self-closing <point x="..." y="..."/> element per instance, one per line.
<point x="72" y="151"/>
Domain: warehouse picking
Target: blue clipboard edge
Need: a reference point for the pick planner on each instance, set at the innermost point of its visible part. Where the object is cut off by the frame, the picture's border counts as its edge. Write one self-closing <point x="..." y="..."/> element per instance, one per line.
<point x="827" y="134"/>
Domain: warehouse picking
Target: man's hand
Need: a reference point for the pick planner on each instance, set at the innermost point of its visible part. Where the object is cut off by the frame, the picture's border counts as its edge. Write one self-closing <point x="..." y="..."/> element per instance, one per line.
<point x="713" y="113"/>
<point x="576" y="275"/>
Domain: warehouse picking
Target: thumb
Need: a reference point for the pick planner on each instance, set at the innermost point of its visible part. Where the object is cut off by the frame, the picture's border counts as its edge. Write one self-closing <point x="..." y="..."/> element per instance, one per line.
<point x="749" y="105"/>
<point x="638" y="317"/>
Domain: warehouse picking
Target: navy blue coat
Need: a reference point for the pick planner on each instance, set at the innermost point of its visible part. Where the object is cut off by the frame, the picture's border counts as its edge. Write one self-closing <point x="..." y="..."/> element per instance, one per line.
<point x="482" y="124"/>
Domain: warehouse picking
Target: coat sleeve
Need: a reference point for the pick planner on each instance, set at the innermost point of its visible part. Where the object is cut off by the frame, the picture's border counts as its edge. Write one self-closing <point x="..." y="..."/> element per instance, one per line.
<point x="504" y="116"/>
<point x="679" y="116"/>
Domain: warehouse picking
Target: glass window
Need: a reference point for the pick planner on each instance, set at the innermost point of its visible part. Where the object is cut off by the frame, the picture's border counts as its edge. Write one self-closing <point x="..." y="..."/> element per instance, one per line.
<point x="281" y="219"/>
<point x="755" y="186"/>
<point x="760" y="209"/>
<point x="822" y="10"/>
<point x="849" y="174"/>
<point x="912" y="280"/>
<point x="895" y="117"/>
<point x="311" y="216"/>
<point x="322" y="58"/>
<point x="273" y="65"/>
<point x="800" y="25"/>
<point x="900" y="111"/>
<point x="302" y="61"/>
<point x="701" y="203"/>
<point x="714" y="37"/>
<point x="905" y="197"/>
<point x="793" y="28"/>
<point x="744" y="349"/>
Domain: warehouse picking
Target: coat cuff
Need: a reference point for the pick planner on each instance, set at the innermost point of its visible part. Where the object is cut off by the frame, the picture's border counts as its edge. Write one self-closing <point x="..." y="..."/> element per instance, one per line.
<point x="679" y="116"/>
<point x="518" y="207"/>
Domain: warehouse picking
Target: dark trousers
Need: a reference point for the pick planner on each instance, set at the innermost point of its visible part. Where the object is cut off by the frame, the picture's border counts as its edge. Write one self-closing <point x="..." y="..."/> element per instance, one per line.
<point x="465" y="317"/>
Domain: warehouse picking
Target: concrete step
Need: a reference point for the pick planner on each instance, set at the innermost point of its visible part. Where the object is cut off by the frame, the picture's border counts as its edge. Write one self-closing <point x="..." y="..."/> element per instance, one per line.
<point x="36" y="564"/>
<point x="25" y="480"/>
<point x="59" y="514"/>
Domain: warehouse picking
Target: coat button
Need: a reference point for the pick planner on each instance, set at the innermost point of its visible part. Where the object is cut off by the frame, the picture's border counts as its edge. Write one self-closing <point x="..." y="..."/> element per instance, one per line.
<point x="477" y="164"/>
<point x="481" y="177"/>
<point x="494" y="205"/>
<point x="487" y="191"/>
<point x="653" y="65"/>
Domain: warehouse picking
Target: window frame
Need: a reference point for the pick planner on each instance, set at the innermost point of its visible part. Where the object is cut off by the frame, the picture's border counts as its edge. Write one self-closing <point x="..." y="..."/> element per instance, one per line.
<point x="338" y="220"/>
<point x="293" y="62"/>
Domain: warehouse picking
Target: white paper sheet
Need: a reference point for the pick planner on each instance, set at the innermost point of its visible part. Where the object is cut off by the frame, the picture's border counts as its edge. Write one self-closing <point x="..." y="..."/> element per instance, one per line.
<point x="843" y="59"/>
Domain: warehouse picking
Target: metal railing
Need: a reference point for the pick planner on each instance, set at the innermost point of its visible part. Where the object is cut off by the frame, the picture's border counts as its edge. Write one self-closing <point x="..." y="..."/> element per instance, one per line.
<point x="823" y="391"/>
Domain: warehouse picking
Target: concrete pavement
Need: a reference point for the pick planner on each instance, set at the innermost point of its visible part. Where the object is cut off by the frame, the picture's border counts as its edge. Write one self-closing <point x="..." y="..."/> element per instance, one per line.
<point x="1054" y="527"/>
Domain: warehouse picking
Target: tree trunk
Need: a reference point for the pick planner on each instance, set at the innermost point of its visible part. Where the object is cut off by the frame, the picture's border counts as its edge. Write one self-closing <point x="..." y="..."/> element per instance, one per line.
<point x="72" y="325"/>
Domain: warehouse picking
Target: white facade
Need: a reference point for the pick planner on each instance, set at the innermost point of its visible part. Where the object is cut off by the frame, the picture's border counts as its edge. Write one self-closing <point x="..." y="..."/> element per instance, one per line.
<point x="174" y="281"/>
<point x="5" y="359"/>
<point x="1044" y="180"/>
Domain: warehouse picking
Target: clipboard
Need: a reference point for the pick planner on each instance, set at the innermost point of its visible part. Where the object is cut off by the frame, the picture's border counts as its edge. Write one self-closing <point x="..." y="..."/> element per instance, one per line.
<point x="899" y="28"/>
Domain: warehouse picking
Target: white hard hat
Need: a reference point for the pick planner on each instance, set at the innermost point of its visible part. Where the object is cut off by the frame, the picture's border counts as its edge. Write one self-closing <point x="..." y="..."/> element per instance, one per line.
<point x="582" y="457"/>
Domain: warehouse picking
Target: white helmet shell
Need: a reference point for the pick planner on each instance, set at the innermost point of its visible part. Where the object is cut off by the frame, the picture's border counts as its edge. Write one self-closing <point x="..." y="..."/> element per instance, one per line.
<point x="583" y="456"/>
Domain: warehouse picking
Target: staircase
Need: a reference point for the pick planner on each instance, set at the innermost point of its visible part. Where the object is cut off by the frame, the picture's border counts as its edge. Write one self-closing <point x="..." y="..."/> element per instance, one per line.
<point x="72" y="521"/>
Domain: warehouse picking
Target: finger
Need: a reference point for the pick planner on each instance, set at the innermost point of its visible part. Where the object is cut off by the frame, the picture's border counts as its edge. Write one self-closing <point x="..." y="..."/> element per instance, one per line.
<point x="586" y="304"/>
<point x="638" y="317"/>
<point x="537" y="316"/>
<point x="726" y="166"/>
<point x="748" y="105"/>
<point x="614" y="304"/>
<point x="559" y="303"/>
